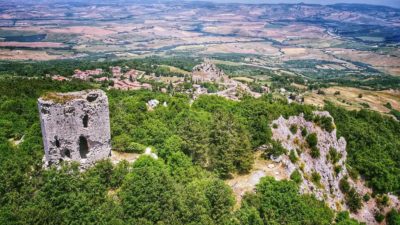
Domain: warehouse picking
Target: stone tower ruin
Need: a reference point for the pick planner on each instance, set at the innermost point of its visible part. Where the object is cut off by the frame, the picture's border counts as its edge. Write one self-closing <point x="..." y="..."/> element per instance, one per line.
<point x="75" y="127"/>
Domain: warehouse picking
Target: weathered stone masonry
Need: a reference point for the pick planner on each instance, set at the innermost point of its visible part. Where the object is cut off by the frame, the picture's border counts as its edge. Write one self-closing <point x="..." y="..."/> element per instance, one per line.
<point x="75" y="127"/>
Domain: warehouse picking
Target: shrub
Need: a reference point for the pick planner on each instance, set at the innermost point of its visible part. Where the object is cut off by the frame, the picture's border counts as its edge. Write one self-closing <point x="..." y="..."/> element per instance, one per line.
<point x="360" y="95"/>
<point x="344" y="185"/>
<point x="366" y="197"/>
<point x="388" y="105"/>
<point x="312" y="140"/>
<point x="304" y="132"/>
<point x="274" y="125"/>
<point x="315" y="153"/>
<point x="315" y="178"/>
<point x="211" y="87"/>
<point x="343" y="218"/>
<point x="296" y="177"/>
<point x="296" y="141"/>
<point x="353" y="200"/>
<point x="337" y="93"/>
<point x="365" y="105"/>
<point x="379" y="217"/>
<point x="382" y="200"/>
<point x="293" y="156"/>
<point x="352" y="172"/>
<point x="135" y="148"/>
<point x="337" y="169"/>
<point x="293" y="128"/>
<point x="301" y="167"/>
<point x="334" y="156"/>
<point x="276" y="150"/>
<point x="395" y="113"/>
<point x="121" y="142"/>
<point x="325" y="122"/>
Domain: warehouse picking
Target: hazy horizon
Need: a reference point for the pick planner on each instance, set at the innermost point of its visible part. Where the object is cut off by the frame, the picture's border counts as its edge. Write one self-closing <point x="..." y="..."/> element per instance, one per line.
<point x="391" y="3"/>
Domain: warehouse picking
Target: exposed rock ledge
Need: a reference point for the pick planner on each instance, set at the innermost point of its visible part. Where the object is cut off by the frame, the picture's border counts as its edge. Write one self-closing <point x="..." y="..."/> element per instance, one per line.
<point x="329" y="188"/>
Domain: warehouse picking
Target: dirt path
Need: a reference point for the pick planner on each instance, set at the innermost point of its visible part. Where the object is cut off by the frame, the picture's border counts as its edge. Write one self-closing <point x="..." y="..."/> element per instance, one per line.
<point x="246" y="183"/>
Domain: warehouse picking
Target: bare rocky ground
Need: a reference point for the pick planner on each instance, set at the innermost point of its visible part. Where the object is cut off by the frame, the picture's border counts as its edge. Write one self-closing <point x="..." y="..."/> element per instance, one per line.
<point x="261" y="168"/>
<point x="117" y="157"/>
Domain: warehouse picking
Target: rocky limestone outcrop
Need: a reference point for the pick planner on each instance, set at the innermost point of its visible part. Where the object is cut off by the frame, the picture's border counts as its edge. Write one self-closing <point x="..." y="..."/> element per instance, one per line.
<point x="75" y="127"/>
<point x="331" y="172"/>
<point x="328" y="189"/>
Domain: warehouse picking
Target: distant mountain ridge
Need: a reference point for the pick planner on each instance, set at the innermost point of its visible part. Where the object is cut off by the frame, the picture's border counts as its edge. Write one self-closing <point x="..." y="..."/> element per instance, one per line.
<point x="339" y="5"/>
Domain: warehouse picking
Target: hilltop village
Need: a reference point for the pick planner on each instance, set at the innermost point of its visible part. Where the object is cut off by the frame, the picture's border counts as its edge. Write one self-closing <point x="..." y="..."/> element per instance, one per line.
<point x="205" y="78"/>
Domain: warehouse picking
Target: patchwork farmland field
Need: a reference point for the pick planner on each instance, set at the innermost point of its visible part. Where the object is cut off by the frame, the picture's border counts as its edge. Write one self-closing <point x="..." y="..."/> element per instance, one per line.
<point x="273" y="36"/>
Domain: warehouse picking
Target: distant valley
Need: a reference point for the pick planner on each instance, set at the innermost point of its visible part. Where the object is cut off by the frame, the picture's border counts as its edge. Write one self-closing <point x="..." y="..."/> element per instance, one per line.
<point x="309" y="40"/>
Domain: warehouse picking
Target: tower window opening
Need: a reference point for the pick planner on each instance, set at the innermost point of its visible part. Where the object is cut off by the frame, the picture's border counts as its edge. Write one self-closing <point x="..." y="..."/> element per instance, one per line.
<point x="85" y="120"/>
<point x="57" y="142"/>
<point x="83" y="147"/>
<point x="67" y="153"/>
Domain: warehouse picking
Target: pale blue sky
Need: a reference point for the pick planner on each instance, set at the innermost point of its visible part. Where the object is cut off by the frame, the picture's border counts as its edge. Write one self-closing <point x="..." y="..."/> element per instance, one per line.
<point x="392" y="3"/>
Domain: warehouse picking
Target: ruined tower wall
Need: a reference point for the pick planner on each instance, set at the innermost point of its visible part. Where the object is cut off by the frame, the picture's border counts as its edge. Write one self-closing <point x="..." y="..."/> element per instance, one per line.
<point x="75" y="127"/>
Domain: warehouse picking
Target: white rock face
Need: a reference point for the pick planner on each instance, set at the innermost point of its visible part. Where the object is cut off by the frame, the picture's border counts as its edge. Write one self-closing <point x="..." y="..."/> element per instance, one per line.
<point x="75" y="127"/>
<point x="329" y="189"/>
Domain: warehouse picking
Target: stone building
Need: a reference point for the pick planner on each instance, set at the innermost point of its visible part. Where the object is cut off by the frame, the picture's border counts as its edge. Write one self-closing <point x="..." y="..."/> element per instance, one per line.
<point x="208" y="72"/>
<point x="75" y="127"/>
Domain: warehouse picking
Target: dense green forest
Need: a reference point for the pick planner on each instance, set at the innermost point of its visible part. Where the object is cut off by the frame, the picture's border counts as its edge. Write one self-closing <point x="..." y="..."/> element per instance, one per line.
<point x="199" y="145"/>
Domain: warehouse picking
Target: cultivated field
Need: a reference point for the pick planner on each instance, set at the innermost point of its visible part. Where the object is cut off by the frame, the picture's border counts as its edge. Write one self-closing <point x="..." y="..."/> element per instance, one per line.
<point x="339" y="43"/>
<point x="350" y="98"/>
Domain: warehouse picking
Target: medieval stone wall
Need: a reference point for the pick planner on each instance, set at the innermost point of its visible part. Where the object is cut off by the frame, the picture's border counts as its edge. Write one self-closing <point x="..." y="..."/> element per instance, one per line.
<point x="75" y="127"/>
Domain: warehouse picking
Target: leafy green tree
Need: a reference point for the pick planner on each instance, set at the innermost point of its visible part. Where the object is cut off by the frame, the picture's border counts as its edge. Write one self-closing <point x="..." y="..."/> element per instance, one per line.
<point x="257" y="120"/>
<point x="182" y="170"/>
<point x="278" y="202"/>
<point x="149" y="193"/>
<point x="172" y="145"/>
<point x="193" y="128"/>
<point x="122" y="142"/>
<point x="249" y="215"/>
<point x="208" y="201"/>
<point x="393" y="217"/>
<point x="230" y="149"/>
<point x="135" y="148"/>
<point x="373" y="144"/>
